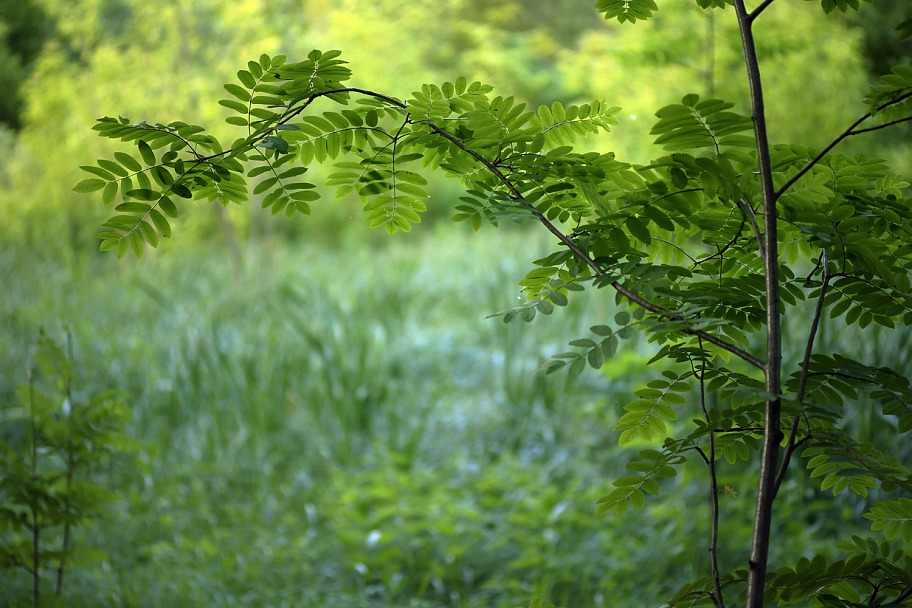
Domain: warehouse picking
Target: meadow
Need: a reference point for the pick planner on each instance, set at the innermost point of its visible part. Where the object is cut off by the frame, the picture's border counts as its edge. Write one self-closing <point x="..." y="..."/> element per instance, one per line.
<point x="345" y="426"/>
<point x="333" y="423"/>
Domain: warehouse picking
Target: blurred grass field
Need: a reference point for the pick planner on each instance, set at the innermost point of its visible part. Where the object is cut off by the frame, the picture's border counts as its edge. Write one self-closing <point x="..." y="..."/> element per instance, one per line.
<point x="342" y="427"/>
<point x="346" y="417"/>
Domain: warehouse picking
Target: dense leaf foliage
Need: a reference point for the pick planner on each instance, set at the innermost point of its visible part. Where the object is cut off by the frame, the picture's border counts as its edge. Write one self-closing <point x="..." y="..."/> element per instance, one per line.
<point x="702" y="247"/>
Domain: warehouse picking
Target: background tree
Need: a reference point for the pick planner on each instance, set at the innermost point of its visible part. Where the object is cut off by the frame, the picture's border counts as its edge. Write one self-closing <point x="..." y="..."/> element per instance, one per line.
<point x="24" y="28"/>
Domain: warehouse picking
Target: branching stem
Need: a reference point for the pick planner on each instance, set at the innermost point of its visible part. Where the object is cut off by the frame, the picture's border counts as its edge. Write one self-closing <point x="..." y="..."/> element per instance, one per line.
<point x="756" y="12"/>
<point x="749" y="212"/>
<point x="516" y="195"/>
<point x="585" y="257"/>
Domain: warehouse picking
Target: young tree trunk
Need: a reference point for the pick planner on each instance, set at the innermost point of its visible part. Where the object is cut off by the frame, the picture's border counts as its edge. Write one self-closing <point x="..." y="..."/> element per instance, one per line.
<point x="772" y="435"/>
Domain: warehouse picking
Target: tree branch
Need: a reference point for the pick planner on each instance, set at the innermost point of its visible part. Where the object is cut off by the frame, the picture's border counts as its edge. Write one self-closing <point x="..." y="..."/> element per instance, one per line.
<point x="898" y="121"/>
<point x="749" y="212"/>
<point x="722" y="249"/>
<point x="845" y="135"/>
<point x="756" y="12"/>
<point x="517" y="195"/>
<point x="805" y="369"/>
<point x="902" y="597"/>
<point x="587" y="259"/>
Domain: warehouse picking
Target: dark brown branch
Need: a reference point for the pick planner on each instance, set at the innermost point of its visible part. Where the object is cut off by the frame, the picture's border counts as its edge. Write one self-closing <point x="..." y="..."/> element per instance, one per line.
<point x="713" y="491"/>
<point x="749" y="211"/>
<point x="898" y="121"/>
<point x="587" y="259"/>
<point x="845" y="135"/>
<point x="756" y="12"/>
<point x="906" y="594"/>
<point x="805" y="369"/>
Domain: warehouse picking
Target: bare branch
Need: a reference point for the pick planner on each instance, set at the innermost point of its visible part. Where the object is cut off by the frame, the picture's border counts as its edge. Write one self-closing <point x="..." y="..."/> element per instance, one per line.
<point x="749" y="211"/>
<point x="756" y="12"/>
<point x="713" y="491"/>
<point x="805" y="369"/>
<point x="844" y="135"/>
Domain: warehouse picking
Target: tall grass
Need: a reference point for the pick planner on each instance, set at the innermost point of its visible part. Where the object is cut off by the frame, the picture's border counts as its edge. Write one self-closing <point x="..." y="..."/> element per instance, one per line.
<point x="342" y="426"/>
<point x="251" y="394"/>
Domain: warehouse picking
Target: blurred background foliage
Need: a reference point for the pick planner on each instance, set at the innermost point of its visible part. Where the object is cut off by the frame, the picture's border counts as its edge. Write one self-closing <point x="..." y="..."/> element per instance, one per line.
<point x="325" y="416"/>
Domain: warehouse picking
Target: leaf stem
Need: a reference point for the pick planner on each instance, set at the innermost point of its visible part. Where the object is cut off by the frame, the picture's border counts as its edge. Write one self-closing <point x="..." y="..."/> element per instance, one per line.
<point x="752" y="216"/>
<point x="33" y="508"/>
<point x="70" y="462"/>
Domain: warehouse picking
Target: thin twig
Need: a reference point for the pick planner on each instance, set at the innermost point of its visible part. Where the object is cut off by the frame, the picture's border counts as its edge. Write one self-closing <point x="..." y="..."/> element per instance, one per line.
<point x="906" y="594"/>
<point x="844" y="135"/>
<point x="713" y="490"/>
<point x="898" y="121"/>
<point x="70" y="463"/>
<point x="752" y="216"/>
<point x="33" y="508"/>
<point x="587" y="259"/>
<point x="679" y="248"/>
<point x="756" y="12"/>
<point x="722" y="249"/>
<point x="805" y="369"/>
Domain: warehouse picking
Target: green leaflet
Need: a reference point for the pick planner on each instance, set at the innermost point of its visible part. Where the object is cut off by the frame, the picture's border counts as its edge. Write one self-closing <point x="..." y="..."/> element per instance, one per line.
<point x="841" y="464"/>
<point x="653" y="466"/>
<point x="627" y="10"/>
<point x="893" y="518"/>
<point x="694" y="124"/>
<point x="565" y="126"/>
<point x="654" y="406"/>
<point x="892" y="99"/>
<point x="843" y="5"/>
